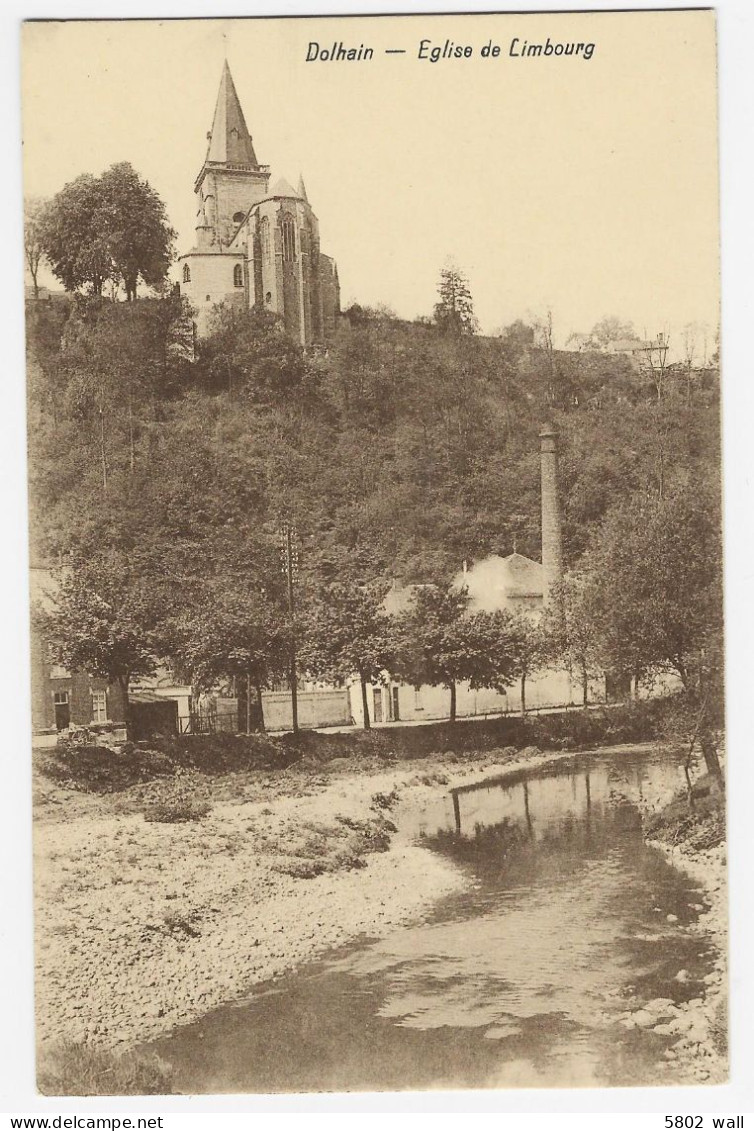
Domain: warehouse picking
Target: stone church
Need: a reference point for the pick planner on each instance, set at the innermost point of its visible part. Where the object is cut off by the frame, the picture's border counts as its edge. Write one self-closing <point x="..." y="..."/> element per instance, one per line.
<point x="255" y="246"/>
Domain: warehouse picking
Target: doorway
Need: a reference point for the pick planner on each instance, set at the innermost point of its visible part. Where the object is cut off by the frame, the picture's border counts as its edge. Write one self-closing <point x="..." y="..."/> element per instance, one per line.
<point x="62" y="710"/>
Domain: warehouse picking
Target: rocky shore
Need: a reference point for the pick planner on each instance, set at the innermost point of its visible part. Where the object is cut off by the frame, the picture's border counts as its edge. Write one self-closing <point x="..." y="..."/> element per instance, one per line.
<point x="144" y="926"/>
<point x="698" y="1028"/>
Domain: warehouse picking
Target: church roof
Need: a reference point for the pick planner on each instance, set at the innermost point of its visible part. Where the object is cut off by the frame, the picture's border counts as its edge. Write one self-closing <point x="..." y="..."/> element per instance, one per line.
<point x="282" y="188"/>
<point x="230" y="140"/>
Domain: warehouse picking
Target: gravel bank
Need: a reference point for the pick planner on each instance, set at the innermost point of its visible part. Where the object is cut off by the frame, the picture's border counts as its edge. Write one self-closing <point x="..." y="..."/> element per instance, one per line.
<point x="141" y="927"/>
<point x="699" y="1026"/>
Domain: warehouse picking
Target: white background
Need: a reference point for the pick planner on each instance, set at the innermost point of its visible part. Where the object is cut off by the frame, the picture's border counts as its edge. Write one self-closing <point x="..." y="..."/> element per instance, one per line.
<point x="514" y="1108"/>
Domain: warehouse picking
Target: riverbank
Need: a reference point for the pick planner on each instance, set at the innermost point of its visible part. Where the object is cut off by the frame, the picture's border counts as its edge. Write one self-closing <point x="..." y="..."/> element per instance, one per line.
<point x="693" y="840"/>
<point x="142" y="926"/>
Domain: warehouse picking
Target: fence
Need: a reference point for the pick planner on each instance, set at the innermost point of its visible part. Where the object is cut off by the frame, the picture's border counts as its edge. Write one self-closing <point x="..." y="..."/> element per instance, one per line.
<point x="209" y="723"/>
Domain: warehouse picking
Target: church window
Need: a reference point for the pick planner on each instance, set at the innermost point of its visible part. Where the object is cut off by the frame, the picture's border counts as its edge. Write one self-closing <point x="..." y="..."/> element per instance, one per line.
<point x="238" y="217"/>
<point x="186" y="273"/>
<point x="288" y="229"/>
<point x="264" y="238"/>
<point x="238" y="275"/>
<point x="268" y="297"/>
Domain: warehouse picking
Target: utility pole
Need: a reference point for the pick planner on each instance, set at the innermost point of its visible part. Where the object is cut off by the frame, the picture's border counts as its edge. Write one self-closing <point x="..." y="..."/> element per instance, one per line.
<point x="290" y="569"/>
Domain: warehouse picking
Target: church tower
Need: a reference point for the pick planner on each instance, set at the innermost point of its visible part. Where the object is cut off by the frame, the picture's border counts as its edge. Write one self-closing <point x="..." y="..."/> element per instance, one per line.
<point x="255" y="247"/>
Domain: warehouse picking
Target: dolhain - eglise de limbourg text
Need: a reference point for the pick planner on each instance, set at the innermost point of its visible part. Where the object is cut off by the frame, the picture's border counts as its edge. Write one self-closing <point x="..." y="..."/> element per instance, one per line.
<point x="339" y="52"/>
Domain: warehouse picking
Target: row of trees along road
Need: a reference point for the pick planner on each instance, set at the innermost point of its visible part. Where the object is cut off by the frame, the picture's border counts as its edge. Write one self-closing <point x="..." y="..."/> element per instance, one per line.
<point x="405" y="448"/>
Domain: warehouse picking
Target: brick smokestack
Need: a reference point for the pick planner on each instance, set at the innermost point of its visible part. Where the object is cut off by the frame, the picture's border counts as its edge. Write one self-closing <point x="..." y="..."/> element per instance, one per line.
<point x="552" y="544"/>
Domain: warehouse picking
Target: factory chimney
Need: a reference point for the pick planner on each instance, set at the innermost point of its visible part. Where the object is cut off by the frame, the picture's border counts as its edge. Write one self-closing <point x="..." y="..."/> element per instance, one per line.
<point x="552" y="546"/>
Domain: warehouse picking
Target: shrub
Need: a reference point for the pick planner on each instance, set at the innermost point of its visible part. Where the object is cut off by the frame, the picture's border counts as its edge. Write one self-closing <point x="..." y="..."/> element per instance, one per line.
<point x="78" y="1069"/>
<point x="183" y="799"/>
<point x="700" y="824"/>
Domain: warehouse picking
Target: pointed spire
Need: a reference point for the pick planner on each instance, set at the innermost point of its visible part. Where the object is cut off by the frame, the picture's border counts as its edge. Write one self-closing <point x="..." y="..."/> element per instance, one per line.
<point x="282" y="188"/>
<point x="230" y="140"/>
<point x="301" y="189"/>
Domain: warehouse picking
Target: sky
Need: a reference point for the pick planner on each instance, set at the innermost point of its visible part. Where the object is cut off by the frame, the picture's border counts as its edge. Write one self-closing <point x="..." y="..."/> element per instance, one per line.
<point x="584" y="187"/>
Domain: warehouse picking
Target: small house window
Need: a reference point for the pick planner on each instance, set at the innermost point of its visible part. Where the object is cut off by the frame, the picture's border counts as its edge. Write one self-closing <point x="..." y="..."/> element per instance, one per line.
<point x="186" y="273"/>
<point x="99" y="706"/>
<point x="238" y="275"/>
<point x="418" y="702"/>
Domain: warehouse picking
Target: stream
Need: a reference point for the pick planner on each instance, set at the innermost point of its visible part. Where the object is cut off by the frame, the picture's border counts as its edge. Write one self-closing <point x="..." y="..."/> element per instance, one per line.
<point x="569" y="922"/>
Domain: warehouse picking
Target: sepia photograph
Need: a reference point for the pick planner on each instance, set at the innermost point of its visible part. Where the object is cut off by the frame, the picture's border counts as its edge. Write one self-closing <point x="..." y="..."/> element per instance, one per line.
<point x="375" y="542"/>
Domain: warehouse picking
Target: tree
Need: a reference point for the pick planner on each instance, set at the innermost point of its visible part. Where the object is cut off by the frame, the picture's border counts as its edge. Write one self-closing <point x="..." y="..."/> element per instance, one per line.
<point x="104" y="229"/>
<point x="441" y="644"/>
<point x="105" y="621"/>
<point x="568" y="634"/>
<point x="609" y="329"/>
<point x="653" y="592"/>
<point x="531" y="649"/>
<point x="454" y="313"/>
<point x="139" y="238"/>
<point x="34" y="216"/>
<point x="233" y="633"/>
<point x="348" y="633"/>
<point x="72" y="240"/>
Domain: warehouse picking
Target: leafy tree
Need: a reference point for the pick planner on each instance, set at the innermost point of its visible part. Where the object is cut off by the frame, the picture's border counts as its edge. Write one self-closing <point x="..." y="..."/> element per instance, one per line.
<point x="454" y="313"/>
<point x="348" y="633"/>
<point x="531" y="648"/>
<point x="105" y="620"/>
<point x="248" y="351"/>
<point x="235" y="634"/>
<point x="111" y="228"/>
<point x="34" y="215"/>
<point x="139" y="237"/>
<point x="518" y="337"/>
<point x="73" y="241"/>
<point x="568" y="633"/>
<point x="653" y="591"/>
<point x="441" y="644"/>
<point x="609" y="329"/>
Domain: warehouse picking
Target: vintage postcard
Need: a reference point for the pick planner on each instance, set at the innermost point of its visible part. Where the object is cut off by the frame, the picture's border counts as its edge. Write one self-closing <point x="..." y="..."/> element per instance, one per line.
<point x="373" y="374"/>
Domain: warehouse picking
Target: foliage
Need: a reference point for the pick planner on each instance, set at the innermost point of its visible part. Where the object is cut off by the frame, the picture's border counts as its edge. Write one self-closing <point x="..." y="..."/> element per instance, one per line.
<point x="107" y="229"/>
<point x="348" y="633"/>
<point x="664" y="559"/>
<point x="441" y="643"/>
<point x="248" y="351"/>
<point x="105" y="620"/>
<point x="180" y="800"/>
<point x="531" y="647"/>
<point x="697" y="823"/>
<point x="233" y="633"/>
<point x="34" y="218"/>
<point x="454" y="313"/>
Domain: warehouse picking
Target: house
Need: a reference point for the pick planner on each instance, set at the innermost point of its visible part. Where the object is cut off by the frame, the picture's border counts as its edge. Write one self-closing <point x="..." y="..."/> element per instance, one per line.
<point x="61" y="698"/>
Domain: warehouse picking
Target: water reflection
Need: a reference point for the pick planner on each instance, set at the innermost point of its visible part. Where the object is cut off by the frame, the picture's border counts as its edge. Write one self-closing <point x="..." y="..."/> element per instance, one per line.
<point x="522" y="980"/>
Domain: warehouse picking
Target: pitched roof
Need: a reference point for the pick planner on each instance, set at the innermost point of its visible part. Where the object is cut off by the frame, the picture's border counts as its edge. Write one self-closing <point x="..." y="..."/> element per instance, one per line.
<point x="282" y="188"/>
<point x="492" y="581"/>
<point x="230" y="140"/>
<point x="301" y="189"/>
